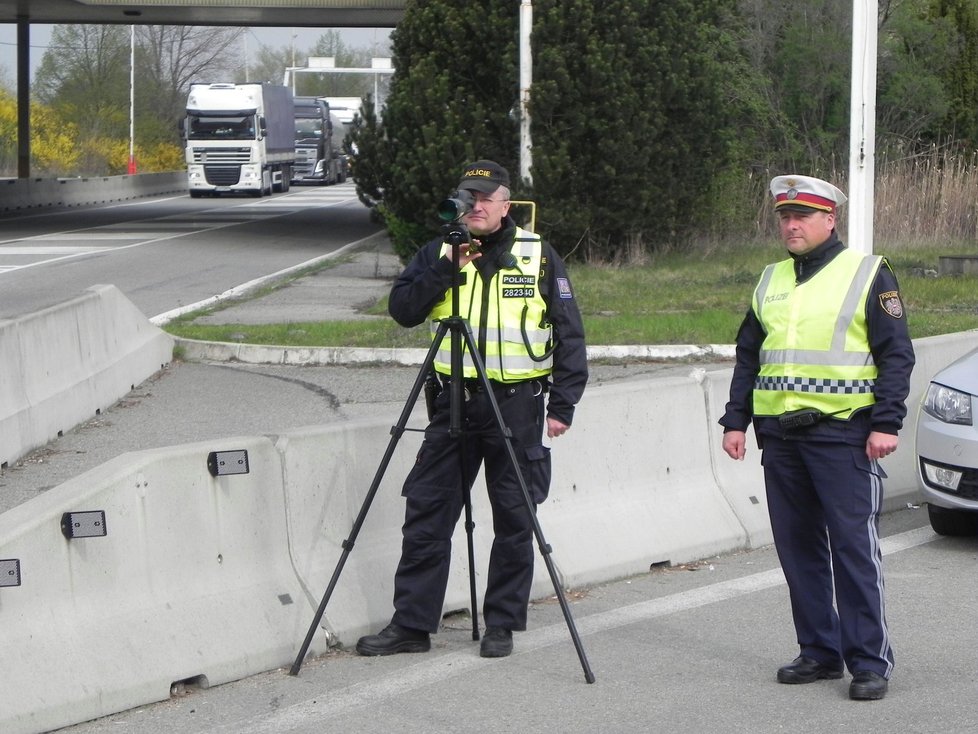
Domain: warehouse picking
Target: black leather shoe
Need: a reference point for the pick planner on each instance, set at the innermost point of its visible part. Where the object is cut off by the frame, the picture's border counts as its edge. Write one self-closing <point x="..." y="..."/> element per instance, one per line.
<point x="806" y="670"/>
<point x="867" y="686"/>
<point x="394" y="639"/>
<point x="496" y="643"/>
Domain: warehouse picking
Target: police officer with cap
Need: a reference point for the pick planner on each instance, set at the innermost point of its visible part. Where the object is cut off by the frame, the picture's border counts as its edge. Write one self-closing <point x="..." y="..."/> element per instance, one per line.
<point x="823" y="371"/>
<point x="515" y="294"/>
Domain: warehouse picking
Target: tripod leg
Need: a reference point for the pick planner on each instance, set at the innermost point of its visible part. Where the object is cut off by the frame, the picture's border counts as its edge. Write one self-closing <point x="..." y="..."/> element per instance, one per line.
<point x="545" y="549"/>
<point x="469" y="528"/>
<point x="348" y="544"/>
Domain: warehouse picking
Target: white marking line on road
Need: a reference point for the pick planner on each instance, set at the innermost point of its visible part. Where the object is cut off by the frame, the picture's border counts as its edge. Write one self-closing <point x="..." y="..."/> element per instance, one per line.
<point x="320" y="705"/>
<point x="46" y="250"/>
<point x="102" y="234"/>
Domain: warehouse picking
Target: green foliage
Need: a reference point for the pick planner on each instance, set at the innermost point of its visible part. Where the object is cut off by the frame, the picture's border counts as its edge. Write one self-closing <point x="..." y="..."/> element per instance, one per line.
<point x="454" y="85"/>
<point x="960" y="79"/>
<point x="627" y="124"/>
<point x="54" y="142"/>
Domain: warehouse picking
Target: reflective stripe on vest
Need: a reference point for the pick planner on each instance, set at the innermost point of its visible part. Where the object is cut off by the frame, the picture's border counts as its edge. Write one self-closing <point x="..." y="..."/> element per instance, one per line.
<point x="834" y="372"/>
<point x="509" y="302"/>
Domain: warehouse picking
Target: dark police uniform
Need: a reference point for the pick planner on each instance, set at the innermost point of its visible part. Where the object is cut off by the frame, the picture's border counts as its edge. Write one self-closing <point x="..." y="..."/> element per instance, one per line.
<point x="824" y="493"/>
<point x="433" y="489"/>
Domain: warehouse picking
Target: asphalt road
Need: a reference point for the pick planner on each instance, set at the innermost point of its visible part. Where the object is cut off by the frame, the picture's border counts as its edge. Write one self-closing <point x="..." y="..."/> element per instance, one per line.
<point x="168" y="252"/>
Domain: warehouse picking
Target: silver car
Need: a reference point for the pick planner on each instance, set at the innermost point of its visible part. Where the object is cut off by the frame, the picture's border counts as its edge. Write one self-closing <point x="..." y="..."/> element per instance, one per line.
<point x="947" y="448"/>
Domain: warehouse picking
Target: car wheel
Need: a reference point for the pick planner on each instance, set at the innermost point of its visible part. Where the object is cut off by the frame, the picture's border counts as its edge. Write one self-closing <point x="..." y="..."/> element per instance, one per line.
<point x="952" y="522"/>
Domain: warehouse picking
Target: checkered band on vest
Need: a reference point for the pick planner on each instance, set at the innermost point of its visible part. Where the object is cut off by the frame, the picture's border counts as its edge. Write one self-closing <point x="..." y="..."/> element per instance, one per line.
<point x="814" y="384"/>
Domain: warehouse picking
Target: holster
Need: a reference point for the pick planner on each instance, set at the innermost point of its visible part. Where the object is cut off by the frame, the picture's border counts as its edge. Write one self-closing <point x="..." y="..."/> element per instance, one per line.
<point x="432" y="389"/>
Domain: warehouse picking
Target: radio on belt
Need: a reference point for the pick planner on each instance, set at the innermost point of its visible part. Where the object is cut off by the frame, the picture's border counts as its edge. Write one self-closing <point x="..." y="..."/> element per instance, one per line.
<point x="799" y="419"/>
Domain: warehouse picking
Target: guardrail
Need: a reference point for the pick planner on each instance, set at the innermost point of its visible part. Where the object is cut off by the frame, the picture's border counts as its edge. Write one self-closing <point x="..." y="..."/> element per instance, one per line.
<point x="18" y="194"/>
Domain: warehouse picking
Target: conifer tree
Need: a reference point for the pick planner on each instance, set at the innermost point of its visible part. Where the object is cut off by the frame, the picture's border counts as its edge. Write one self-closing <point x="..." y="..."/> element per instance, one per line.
<point x="451" y="94"/>
<point x="625" y="114"/>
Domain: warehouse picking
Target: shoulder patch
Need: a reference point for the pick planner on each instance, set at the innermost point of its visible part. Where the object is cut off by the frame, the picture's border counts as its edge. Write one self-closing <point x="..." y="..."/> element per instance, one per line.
<point x="891" y="304"/>
<point x="564" y="288"/>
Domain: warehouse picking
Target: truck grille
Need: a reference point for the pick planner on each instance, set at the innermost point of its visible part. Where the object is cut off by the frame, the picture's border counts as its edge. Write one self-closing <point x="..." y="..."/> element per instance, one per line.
<point x="305" y="162"/>
<point x="222" y="156"/>
<point x="222" y="175"/>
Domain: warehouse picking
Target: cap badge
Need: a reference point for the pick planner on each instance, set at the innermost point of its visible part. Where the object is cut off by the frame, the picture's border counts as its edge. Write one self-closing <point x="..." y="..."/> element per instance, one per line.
<point x="791" y="194"/>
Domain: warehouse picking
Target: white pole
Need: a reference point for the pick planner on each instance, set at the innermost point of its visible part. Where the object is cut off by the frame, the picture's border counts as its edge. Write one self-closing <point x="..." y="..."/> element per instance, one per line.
<point x="862" y="126"/>
<point x="526" y="78"/>
<point x="132" y="99"/>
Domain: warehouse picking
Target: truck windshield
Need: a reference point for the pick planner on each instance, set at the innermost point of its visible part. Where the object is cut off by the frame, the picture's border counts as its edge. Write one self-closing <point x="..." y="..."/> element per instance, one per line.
<point x="214" y="127"/>
<point x="308" y="128"/>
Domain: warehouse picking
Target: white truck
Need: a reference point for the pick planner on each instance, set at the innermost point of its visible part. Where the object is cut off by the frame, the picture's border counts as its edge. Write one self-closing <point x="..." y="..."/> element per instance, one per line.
<point x="239" y="137"/>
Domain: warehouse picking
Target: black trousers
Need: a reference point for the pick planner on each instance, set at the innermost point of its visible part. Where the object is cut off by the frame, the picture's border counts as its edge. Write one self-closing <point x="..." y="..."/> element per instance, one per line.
<point x="824" y="501"/>
<point x="434" y="501"/>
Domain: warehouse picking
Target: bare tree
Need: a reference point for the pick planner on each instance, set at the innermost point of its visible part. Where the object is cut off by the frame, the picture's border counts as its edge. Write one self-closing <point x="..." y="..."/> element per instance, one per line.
<point x="169" y="59"/>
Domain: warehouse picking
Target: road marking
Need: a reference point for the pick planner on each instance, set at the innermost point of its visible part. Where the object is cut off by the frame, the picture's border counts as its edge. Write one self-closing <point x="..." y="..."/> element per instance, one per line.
<point x="160" y="229"/>
<point x="322" y="704"/>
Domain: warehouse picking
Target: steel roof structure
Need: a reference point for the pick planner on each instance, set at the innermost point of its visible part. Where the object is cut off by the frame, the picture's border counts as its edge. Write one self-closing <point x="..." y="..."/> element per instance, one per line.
<point x="281" y="13"/>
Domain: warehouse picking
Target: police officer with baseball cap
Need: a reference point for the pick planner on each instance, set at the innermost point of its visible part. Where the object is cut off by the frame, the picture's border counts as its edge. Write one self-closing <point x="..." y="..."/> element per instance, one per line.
<point x="823" y="372"/>
<point x="517" y="298"/>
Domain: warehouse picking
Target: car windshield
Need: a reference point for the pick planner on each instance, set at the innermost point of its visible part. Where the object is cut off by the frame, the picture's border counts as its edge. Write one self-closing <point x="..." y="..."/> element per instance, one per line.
<point x="214" y="127"/>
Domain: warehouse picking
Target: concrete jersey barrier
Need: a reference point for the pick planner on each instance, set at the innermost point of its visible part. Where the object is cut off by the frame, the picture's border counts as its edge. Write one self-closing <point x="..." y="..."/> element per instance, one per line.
<point x="60" y="366"/>
<point x="18" y="194"/>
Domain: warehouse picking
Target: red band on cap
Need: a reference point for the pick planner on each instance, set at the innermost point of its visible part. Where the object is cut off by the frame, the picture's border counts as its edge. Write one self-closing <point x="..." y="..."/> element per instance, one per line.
<point x="803" y="199"/>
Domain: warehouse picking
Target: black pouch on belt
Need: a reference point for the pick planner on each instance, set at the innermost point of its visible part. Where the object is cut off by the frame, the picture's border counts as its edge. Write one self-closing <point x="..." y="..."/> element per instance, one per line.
<point x="799" y="419"/>
<point x="432" y="389"/>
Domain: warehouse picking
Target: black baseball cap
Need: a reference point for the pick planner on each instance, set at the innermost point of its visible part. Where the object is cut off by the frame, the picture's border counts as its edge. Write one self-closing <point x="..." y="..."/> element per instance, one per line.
<point x="484" y="176"/>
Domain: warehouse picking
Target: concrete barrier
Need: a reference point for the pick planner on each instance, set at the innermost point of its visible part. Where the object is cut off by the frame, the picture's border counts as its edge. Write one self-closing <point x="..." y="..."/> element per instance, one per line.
<point x="62" y="365"/>
<point x="210" y="579"/>
<point x="192" y="582"/>
<point x="17" y="194"/>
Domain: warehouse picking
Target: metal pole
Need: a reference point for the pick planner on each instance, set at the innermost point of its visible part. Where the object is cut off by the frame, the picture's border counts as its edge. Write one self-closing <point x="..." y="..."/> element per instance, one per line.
<point x="23" y="99"/>
<point x="862" y="126"/>
<point x="526" y="78"/>
<point x="132" y="99"/>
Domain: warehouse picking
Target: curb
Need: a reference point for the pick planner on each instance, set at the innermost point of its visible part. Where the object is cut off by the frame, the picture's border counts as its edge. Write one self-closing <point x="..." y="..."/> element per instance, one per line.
<point x="205" y="351"/>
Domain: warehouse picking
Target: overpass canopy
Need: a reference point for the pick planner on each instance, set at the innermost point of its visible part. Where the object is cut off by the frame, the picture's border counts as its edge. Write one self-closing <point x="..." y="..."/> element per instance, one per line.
<point x="280" y="13"/>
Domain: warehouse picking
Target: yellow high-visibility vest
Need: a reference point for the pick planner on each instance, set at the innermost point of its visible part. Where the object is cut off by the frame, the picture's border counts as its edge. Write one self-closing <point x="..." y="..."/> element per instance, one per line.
<point x="513" y="306"/>
<point x="816" y="352"/>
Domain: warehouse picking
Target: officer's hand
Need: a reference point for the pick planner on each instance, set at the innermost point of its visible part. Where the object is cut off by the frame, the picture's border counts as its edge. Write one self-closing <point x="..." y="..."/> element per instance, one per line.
<point x="555" y="427"/>
<point x="735" y="444"/>
<point x="879" y="445"/>
<point x="467" y="252"/>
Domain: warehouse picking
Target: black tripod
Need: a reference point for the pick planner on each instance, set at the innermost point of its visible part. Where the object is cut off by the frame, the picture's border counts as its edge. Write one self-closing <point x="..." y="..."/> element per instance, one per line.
<point x="460" y="331"/>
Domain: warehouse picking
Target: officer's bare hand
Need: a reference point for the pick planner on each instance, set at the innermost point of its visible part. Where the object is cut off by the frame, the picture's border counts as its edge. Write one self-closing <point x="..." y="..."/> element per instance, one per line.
<point x="467" y="252"/>
<point x="735" y="444"/>
<point x="555" y="427"/>
<point x="879" y="445"/>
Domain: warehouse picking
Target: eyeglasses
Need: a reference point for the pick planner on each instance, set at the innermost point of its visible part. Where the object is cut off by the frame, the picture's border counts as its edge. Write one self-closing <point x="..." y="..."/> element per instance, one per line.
<point x="487" y="200"/>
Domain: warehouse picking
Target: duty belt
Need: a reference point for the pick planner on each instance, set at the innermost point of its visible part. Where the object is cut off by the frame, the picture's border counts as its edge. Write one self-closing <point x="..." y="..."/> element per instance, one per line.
<point x="473" y="386"/>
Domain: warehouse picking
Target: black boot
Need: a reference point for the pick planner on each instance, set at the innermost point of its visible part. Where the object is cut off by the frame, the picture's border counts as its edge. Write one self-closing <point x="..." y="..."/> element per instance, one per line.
<point x="394" y="639"/>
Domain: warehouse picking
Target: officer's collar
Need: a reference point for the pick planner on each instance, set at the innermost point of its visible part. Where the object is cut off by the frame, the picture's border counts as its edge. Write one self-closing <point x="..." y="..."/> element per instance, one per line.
<point x="504" y="234"/>
<point x="825" y="251"/>
<point x="811" y="262"/>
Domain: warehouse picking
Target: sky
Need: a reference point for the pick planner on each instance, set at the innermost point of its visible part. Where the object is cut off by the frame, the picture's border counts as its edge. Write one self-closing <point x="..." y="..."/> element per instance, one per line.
<point x="305" y="38"/>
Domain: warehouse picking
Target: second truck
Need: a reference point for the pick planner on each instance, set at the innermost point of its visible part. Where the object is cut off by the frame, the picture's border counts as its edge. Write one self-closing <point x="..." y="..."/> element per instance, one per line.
<point x="319" y="137"/>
